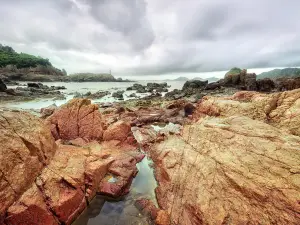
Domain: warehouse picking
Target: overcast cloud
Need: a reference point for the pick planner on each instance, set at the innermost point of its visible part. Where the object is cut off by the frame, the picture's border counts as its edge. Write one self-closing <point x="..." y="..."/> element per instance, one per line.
<point x="149" y="37"/>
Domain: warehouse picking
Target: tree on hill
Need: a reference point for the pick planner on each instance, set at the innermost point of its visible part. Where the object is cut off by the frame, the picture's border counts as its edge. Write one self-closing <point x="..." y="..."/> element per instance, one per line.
<point x="8" y="56"/>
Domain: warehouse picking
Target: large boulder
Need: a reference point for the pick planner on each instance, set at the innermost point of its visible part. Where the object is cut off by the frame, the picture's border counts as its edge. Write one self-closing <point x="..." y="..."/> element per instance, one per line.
<point x="118" y="95"/>
<point x="27" y="146"/>
<point x="76" y="119"/>
<point x="3" y="87"/>
<point x="250" y="82"/>
<point x="195" y="84"/>
<point x="265" y="85"/>
<point x="240" y="79"/>
<point x="63" y="188"/>
<point x="232" y="77"/>
<point x="285" y="84"/>
<point x="232" y="170"/>
<point x="120" y="131"/>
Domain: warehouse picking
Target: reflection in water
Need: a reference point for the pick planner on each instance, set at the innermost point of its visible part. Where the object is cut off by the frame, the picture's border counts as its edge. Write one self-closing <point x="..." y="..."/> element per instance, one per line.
<point x="124" y="212"/>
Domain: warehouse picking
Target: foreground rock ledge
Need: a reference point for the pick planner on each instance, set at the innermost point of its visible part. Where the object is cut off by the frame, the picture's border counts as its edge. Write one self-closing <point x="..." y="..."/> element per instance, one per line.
<point x="231" y="170"/>
<point x="47" y="182"/>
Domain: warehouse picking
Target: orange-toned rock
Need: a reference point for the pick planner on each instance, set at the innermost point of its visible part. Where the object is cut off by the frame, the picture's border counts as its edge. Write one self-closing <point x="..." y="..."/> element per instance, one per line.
<point x="229" y="170"/>
<point x="162" y="218"/>
<point x="118" y="131"/>
<point x="30" y="209"/>
<point x="73" y="177"/>
<point x="281" y="110"/>
<point x="76" y="119"/>
<point x="26" y="147"/>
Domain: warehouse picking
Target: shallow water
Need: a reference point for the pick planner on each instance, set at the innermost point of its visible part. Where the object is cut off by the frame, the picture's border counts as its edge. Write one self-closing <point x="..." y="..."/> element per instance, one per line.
<point x="124" y="212"/>
<point x="83" y="88"/>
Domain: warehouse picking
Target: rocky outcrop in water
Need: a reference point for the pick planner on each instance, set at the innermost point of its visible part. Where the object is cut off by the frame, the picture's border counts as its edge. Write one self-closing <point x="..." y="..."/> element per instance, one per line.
<point x="238" y="164"/>
<point x="150" y="87"/>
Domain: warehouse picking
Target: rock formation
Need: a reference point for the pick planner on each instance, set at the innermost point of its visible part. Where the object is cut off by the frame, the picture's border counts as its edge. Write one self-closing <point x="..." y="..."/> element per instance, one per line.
<point x="77" y="119"/>
<point x="43" y="182"/>
<point x="232" y="170"/>
<point x="27" y="146"/>
<point x="3" y="87"/>
<point x="280" y="109"/>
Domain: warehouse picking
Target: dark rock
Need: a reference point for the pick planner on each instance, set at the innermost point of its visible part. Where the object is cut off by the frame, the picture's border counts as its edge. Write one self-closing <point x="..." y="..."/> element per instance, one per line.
<point x="265" y="85"/>
<point x="3" y="87"/>
<point x="133" y="95"/>
<point x="241" y="80"/>
<point x="175" y="94"/>
<point x="250" y="82"/>
<point x="96" y="95"/>
<point x="285" y="84"/>
<point x="189" y="108"/>
<point x="195" y="84"/>
<point x="213" y="86"/>
<point x="118" y="95"/>
<point x="35" y="85"/>
<point x="141" y="90"/>
<point x="11" y="92"/>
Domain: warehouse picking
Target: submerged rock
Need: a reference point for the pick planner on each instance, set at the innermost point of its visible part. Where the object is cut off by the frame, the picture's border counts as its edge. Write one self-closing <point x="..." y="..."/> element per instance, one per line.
<point x="195" y="84"/>
<point x="118" y="95"/>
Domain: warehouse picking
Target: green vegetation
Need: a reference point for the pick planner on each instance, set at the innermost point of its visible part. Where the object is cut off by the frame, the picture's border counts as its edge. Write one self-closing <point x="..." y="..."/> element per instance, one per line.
<point x="91" y="77"/>
<point x="234" y="71"/>
<point x="8" y="56"/>
<point x="278" y="73"/>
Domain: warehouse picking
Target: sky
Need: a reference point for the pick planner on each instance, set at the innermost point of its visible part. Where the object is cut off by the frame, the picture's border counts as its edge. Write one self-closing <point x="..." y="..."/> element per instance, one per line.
<point x="155" y="38"/>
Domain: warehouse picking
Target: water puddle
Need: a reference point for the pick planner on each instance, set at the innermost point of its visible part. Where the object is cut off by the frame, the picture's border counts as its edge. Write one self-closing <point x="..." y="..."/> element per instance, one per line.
<point x="106" y="212"/>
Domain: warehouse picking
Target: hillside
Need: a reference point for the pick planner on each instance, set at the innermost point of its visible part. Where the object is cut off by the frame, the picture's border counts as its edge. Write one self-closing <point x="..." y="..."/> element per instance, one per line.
<point x="22" y="66"/>
<point x="278" y="73"/>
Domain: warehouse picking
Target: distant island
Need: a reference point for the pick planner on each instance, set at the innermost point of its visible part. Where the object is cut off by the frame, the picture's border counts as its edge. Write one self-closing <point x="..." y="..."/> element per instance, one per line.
<point x="280" y="73"/>
<point x="93" y="77"/>
<point x="210" y="79"/>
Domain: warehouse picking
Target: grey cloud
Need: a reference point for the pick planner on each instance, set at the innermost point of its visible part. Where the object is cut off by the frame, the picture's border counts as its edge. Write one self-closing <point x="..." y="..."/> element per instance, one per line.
<point x="154" y="36"/>
<point x="127" y="17"/>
